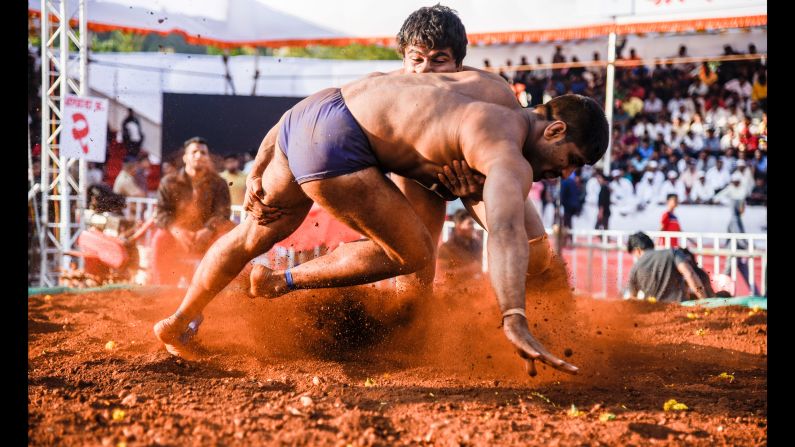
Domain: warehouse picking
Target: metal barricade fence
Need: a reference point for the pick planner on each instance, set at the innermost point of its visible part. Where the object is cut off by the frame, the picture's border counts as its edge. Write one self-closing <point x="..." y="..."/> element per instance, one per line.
<point x="712" y="251"/>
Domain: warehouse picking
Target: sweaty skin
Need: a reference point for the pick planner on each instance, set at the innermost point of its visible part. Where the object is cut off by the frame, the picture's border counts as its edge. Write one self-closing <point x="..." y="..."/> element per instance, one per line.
<point x="428" y="204"/>
<point x="415" y="126"/>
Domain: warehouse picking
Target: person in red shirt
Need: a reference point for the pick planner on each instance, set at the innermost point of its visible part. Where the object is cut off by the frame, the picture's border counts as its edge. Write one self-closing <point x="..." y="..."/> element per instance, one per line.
<point x="669" y="220"/>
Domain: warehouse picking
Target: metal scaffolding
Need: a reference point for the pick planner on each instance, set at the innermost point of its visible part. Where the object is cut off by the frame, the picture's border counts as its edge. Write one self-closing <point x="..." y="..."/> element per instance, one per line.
<point x="63" y="191"/>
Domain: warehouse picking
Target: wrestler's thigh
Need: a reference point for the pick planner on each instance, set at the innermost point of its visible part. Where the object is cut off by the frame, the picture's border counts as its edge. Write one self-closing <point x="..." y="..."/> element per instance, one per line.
<point x="374" y="206"/>
<point x="282" y="192"/>
<point x="428" y="206"/>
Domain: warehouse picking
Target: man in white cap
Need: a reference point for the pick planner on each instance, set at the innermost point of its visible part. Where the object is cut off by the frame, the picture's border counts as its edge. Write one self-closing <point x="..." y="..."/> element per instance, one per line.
<point x="701" y="192"/>
<point x="657" y="176"/>
<point x="645" y="190"/>
<point x="748" y="177"/>
<point x="672" y="185"/>
<point x="734" y="192"/>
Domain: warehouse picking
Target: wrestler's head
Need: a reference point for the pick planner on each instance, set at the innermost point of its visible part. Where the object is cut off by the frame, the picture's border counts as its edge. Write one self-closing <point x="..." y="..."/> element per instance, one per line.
<point x="570" y="131"/>
<point x="196" y="155"/>
<point x="432" y="40"/>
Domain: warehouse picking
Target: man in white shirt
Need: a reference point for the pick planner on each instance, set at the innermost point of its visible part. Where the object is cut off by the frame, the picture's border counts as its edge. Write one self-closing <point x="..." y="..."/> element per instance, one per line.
<point x="645" y="190"/>
<point x="735" y="191"/>
<point x="701" y="192"/>
<point x="674" y="103"/>
<point x="653" y="105"/>
<point x="718" y="176"/>
<point x="671" y="186"/>
<point x="693" y="141"/>
<point x="748" y="177"/>
<point x="689" y="177"/>
<point x="622" y="193"/>
<point x="125" y="181"/>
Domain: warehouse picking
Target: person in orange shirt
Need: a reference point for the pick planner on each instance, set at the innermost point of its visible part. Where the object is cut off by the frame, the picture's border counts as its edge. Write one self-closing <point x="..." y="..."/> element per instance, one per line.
<point x="707" y="75"/>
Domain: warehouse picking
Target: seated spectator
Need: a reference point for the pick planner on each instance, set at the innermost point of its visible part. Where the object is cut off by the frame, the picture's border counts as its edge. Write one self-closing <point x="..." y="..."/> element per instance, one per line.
<point x="712" y="142"/>
<point x="653" y="105"/>
<point x="759" y="193"/>
<point x="703" y="161"/>
<point x="645" y="149"/>
<point x="462" y="254"/>
<point x="670" y="186"/>
<point x="701" y="193"/>
<point x="622" y="192"/>
<point x="235" y="178"/>
<point x="193" y="209"/>
<point x="718" y="176"/>
<point x="125" y="183"/>
<point x="693" y="141"/>
<point x="637" y="167"/>
<point x="689" y="177"/>
<point x="668" y="275"/>
<point x="748" y="176"/>
<point x="645" y="190"/>
<point x="697" y="126"/>
<point x="707" y="75"/>
<point x="735" y="191"/>
<point x="759" y="163"/>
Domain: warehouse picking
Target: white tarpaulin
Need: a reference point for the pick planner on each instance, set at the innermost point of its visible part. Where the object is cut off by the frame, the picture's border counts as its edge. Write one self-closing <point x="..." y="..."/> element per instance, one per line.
<point x="275" y="23"/>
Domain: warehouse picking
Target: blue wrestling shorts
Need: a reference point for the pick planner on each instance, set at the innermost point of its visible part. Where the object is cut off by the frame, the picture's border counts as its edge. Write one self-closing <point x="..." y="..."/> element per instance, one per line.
<point x="321" y="139"/>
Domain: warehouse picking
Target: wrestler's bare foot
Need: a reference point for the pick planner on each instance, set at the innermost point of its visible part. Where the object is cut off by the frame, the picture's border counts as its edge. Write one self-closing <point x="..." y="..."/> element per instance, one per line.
<point x="177" y="336"/>
<point x="265" y="284"/>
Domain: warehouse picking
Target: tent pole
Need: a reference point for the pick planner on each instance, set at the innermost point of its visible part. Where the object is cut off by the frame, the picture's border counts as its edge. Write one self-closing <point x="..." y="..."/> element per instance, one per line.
<point x="610" y="84"/>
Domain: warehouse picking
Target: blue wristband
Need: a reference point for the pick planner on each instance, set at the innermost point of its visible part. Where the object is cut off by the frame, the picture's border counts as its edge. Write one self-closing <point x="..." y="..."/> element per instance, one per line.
<point x="289" y="278"/>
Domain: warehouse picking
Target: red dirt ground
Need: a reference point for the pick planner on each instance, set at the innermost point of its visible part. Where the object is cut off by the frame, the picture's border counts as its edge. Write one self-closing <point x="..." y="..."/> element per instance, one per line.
<point x="358" y="367"/>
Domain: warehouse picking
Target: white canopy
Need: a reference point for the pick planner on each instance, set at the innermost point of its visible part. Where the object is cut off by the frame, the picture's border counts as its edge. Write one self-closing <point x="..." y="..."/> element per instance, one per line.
<point x="274" y="23"/>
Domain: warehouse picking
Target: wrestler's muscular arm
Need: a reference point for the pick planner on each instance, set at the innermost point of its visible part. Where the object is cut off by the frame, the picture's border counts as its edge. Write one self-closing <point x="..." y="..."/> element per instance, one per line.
<point x="494" y="149"/>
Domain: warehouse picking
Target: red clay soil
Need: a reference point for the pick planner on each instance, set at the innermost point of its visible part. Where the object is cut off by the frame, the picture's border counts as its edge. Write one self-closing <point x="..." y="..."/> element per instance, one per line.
<point x="360" y="367"/>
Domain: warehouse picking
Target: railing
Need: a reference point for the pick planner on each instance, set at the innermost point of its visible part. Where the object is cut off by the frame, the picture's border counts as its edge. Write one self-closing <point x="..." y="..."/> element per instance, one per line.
<point x="712" y="250"/>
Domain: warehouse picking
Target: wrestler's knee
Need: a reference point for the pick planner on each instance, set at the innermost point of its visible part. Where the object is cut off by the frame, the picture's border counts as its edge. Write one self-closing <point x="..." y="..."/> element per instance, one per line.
<point x="540" y="256"/>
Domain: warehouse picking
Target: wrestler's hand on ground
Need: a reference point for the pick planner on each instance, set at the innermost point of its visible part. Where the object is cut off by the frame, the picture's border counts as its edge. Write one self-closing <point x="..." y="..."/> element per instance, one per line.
<point x="461" y="181"/>
<point x="254" y="205"/>
<point x="515" y="327"/>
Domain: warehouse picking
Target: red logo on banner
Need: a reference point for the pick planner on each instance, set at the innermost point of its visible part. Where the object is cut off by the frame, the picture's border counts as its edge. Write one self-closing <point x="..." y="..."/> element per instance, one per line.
<point x="78" y="132"/>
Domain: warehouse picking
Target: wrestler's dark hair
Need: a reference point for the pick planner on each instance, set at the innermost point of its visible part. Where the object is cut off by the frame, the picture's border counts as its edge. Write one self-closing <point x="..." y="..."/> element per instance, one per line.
<point x="197" y="140"/>
<point x="434" y="27"/>
<point x="586" y="123"/>
<point x="639" y="240"/>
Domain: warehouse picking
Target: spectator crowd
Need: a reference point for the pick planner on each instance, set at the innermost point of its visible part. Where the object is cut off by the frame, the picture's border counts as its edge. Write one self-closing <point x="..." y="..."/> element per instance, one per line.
<point x="697" y="130"/>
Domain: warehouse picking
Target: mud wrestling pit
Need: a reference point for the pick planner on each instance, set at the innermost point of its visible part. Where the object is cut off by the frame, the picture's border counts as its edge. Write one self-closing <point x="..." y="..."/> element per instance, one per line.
<point x="363" y="367"/>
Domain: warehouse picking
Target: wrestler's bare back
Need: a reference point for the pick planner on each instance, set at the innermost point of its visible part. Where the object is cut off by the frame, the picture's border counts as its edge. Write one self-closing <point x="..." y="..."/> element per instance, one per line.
<point x="414" y="124"/>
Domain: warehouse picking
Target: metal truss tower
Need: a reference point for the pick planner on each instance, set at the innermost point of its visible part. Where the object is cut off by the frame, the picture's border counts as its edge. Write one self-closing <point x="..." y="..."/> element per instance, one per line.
<point x="63" y="180"/>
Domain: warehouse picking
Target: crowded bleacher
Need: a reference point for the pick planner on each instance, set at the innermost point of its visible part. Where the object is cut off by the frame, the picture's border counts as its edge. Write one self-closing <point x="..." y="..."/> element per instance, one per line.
<point x="686" y="128"/>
